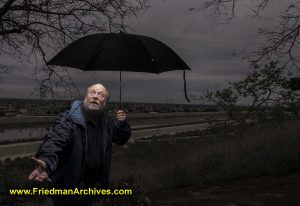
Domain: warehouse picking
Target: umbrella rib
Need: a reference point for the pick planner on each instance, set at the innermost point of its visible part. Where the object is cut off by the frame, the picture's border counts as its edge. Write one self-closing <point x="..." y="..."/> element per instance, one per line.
<point x="93" y="58"/>
<point x="149" y="55"/>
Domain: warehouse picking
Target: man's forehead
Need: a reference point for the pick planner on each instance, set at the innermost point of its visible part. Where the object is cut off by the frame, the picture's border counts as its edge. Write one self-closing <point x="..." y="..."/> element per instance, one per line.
<point x="98" y="87"/>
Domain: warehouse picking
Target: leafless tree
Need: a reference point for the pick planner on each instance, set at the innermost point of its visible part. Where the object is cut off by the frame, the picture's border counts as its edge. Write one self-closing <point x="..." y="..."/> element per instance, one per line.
<point x="274" y="71"/>
<point x="281" y="42"/>
<point x="228" y="8"/>
<point x="31" y="29"/>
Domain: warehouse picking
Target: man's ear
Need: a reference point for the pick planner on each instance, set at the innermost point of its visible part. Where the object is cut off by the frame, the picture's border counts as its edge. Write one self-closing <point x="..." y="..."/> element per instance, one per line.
<point x="107" y="99"/>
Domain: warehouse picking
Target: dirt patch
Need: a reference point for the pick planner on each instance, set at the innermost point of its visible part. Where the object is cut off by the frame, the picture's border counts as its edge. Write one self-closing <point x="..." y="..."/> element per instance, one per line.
<point x="259" y="191"/>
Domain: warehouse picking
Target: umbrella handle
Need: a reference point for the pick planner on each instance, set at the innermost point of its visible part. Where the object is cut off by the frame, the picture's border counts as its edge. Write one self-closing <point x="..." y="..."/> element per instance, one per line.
<point x="120" y="107"/>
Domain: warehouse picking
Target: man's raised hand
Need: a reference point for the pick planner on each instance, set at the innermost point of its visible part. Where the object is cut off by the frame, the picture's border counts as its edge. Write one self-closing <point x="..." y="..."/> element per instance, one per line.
<point x="121" y="116"/>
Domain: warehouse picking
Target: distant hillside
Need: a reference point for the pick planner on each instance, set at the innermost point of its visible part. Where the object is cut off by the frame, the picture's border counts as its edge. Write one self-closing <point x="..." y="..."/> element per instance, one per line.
<point x="52" y="107"/>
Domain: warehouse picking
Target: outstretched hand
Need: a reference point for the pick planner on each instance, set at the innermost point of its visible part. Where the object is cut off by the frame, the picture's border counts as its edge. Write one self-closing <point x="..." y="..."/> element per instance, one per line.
<point x="40" y="172"/>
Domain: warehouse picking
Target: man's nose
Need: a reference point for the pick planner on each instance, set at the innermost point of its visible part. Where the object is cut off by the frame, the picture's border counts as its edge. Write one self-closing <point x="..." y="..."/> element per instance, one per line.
<point x="95" y="96"/>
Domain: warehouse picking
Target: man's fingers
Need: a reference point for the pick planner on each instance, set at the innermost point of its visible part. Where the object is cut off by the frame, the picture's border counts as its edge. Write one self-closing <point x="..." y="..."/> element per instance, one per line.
<point x="35" y="175"/>
<point x="39" y="173"/>
<point x="35" y="160"/>
<point x="121" y="115"/>
<point x="121" y="118"/>
<point x="32" y="175"/>
<point x="39" y="177"/>
<point x="39" y="162"/>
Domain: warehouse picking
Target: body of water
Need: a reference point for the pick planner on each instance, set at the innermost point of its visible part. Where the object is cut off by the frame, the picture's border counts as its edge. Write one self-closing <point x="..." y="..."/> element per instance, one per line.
<point x="38" y="131"/>
<point x="23" y="133"/>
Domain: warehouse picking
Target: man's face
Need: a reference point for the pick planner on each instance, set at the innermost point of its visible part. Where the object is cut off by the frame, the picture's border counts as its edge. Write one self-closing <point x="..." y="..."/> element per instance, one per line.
<point x="95" y="98"/>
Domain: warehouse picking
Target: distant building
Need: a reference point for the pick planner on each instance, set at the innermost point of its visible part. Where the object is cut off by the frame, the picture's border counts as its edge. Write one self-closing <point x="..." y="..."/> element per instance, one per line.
<point x="23" y="111"/>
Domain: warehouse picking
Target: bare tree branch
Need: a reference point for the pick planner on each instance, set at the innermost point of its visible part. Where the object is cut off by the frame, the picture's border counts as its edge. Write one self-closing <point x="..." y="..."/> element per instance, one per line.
<point x="33" y="29"/>
<point x="6" y="7"/>
<point x="228" y="8"/>
<point x="274" y="71"/>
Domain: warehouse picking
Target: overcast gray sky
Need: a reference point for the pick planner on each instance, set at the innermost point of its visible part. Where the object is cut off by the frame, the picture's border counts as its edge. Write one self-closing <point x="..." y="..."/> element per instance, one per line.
<point x="205" y="44"/>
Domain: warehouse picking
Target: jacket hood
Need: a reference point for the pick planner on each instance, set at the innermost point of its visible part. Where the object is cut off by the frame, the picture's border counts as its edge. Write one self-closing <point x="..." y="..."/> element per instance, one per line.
<point x="75" y="112"/>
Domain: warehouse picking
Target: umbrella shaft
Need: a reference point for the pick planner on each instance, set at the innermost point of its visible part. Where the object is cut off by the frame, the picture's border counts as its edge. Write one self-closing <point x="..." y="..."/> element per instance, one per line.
<point x="120" y="88"/>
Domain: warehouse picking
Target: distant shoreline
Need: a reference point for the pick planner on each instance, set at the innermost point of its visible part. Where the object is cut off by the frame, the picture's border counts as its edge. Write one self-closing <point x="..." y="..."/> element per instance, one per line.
<point x="28" y="120"/>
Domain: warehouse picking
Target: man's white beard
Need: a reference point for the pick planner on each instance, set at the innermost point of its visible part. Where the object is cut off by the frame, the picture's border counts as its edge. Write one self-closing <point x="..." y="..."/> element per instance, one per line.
<point x="93" y="109"/>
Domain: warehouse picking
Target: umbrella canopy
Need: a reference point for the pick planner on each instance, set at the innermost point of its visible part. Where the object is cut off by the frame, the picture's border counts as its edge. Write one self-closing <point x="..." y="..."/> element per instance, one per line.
<point x="120" y="52"/>
<point x="294" y="83"/>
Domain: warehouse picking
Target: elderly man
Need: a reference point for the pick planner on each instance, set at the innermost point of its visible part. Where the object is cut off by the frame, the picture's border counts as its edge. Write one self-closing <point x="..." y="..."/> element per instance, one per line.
<point x="76" y="152"/>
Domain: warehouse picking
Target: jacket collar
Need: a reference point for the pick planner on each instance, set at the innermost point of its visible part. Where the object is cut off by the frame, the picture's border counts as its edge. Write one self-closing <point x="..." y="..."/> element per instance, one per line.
<point x="76" y="114"/>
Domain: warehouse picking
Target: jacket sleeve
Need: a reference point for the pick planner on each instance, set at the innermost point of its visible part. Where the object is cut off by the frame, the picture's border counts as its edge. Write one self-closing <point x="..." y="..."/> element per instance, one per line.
<point x="55" y="142"/>
<point x="122" y="132"/>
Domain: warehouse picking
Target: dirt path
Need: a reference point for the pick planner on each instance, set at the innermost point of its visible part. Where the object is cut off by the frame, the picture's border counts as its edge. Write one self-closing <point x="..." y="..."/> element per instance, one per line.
<point x="265" y="190"/>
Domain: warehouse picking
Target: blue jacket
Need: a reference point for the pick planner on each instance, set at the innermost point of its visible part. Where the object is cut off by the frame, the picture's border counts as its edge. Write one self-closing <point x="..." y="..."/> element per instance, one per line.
<point x="65" y="147"/>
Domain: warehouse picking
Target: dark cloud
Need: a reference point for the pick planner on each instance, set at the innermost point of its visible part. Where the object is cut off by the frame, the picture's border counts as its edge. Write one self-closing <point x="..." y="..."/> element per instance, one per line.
<point x="206" y="45"/>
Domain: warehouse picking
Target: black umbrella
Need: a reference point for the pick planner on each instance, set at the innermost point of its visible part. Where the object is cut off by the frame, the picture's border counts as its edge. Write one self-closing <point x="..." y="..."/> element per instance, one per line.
<point x="294" y="83"/>
<point x="120" y="52"/>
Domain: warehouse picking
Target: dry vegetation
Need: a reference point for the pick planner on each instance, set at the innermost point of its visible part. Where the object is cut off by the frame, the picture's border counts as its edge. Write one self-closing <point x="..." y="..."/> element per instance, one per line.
<point x="270" y="148"/>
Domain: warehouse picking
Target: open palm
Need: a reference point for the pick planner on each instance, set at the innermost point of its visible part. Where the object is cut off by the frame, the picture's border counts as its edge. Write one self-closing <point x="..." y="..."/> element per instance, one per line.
<point x="40" y="172"/>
